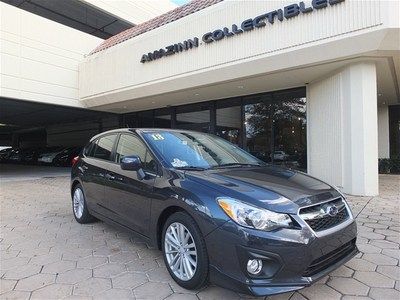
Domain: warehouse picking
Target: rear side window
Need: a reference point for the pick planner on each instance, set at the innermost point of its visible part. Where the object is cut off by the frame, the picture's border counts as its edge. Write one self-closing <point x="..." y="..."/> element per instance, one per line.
<point x="89" y="149"/>
<point x="103" y="147"/>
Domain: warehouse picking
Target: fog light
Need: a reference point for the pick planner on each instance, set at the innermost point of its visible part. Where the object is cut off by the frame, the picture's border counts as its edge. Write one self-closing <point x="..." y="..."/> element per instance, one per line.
<point x="254" y="266"/>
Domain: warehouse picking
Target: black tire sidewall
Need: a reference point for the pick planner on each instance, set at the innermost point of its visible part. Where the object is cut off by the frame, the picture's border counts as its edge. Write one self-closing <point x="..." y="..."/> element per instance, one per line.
<point x="86" y="217"/>
<point x="200" y="277"/>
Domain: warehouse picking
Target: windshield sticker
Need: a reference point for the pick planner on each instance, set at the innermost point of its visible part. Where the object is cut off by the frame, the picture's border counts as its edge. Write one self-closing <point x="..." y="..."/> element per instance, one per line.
<point x="157" y="137"/>
<point x="177" y="163"/>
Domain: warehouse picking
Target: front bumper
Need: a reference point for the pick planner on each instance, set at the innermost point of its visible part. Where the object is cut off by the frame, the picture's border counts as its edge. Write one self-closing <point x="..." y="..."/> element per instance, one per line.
<point x="292" y="258"/>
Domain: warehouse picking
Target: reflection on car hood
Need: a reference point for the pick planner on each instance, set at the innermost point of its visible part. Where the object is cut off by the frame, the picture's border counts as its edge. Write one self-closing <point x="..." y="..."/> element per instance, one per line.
<point x="271" y="187"/>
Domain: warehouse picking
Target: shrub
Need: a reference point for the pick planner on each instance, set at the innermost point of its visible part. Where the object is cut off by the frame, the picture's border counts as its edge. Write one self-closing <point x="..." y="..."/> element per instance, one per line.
<point x="389" y="165"/>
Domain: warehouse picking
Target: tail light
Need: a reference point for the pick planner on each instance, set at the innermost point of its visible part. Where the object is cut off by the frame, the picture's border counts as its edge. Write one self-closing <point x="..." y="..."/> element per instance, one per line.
<point x="74" y="160"/>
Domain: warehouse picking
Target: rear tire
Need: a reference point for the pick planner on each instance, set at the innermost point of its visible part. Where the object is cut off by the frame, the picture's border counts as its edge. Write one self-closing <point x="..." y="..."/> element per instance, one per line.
<point x="187" y="258"/>
<point x="79" y="206"/>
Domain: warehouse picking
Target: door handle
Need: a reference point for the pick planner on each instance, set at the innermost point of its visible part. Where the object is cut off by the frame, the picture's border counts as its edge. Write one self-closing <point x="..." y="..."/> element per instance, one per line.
<point x="85" y="167"/>
<point x="110" y="177"/>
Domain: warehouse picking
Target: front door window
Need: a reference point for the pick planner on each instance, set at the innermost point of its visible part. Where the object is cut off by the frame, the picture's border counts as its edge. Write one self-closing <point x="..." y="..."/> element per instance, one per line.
<point x="131" y="145"/>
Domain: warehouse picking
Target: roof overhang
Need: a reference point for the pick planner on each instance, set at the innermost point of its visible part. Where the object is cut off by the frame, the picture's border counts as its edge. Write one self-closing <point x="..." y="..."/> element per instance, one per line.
<point x="287" y="54"/>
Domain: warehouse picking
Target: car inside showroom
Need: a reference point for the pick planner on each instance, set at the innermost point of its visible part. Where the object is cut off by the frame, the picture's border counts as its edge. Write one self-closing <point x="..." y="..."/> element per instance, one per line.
<point x="308" y="89"/>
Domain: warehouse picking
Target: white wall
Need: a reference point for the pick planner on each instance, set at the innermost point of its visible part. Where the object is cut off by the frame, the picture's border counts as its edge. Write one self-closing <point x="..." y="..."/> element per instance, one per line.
<point x="336" y="32"/>
<point x="383" y="131"/>
<point x="324" y="129"/>
<point x="133" y="11"/>
<point x="39" y="58"/>
<point x="342" y="129"/>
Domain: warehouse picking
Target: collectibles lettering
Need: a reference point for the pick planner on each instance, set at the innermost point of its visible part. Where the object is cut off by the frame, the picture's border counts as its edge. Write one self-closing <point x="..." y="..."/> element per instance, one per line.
<point x="260" y="21"/>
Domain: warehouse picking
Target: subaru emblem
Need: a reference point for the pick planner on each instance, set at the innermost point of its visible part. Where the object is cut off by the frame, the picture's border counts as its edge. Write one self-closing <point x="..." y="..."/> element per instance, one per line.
<point x="332" y="210"/>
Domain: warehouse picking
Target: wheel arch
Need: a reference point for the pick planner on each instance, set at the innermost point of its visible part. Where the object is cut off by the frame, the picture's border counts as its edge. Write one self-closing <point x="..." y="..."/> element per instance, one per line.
<point x="74" y="183"/>
<point x="165" y="214"/>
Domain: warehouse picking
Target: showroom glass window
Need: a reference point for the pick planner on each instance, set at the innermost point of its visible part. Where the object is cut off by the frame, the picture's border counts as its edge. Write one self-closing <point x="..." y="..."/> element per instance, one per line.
<point x="229" y="124"/>
<point x="275" y="125"/>
<point x="144" y="119"/>
<point x="193" y="117"/>
<point x="162" y="118"/>
<point x="271" y="126"/>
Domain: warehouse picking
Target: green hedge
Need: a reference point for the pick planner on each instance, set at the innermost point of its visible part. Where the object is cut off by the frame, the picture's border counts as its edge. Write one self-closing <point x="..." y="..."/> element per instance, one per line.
<point x="389" y="165"/>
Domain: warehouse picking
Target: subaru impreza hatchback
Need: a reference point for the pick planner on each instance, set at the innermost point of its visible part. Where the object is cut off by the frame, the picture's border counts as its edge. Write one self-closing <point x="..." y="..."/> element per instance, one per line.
<point x="217" y="213"/>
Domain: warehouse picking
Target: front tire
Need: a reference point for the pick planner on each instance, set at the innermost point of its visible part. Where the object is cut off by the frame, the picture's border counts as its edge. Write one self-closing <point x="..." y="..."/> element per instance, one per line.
<point x="184" y="251"/>
<point x="79" y="206"/>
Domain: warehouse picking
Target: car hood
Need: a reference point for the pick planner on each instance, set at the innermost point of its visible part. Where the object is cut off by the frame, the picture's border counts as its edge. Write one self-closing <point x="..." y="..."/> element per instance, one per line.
<point x="274" y="188"/>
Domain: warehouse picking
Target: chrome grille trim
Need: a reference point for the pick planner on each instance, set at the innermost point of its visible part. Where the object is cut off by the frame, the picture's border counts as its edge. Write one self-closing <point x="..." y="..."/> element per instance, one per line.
<point x="321" y="213"/>
<point x="318" y="220"/>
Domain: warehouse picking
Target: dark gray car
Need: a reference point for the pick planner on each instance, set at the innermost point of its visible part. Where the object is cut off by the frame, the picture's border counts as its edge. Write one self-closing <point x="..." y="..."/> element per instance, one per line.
<point x="217" y="213"/>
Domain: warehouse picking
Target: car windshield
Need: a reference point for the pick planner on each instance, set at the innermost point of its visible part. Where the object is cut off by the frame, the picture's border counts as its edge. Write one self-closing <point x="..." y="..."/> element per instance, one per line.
<point x="196" y="150"/>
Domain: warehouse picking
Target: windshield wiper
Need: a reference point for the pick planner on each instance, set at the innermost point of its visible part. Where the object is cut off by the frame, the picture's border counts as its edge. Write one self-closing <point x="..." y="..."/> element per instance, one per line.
<point x="235" y="164"/>
<point x="191" y="168"/>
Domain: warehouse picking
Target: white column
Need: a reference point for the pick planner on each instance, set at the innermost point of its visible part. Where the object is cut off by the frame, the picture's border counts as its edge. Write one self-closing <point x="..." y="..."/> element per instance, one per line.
<point x="383" y="132"/>
<point x="342" y="129"/>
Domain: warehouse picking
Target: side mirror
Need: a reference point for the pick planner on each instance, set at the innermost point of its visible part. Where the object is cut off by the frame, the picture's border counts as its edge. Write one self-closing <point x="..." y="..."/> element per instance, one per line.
<point x="131" y="163"/>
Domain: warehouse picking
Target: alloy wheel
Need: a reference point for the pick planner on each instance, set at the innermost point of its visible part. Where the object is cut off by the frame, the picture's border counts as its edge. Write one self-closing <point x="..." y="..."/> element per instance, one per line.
<point x="78" y="203"/>
<point x="180" y="251"/>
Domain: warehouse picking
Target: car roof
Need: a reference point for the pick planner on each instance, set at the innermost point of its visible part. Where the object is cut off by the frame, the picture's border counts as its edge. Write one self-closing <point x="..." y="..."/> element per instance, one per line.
<point x="138" y="130"/>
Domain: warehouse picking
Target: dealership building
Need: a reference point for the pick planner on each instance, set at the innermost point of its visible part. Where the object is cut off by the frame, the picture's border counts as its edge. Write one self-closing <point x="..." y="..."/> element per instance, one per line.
<point x="313" y="85"/>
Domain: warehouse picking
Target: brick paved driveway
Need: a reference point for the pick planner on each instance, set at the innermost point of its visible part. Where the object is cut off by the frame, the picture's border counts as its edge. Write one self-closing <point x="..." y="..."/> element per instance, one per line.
<point x="45" y="254"/>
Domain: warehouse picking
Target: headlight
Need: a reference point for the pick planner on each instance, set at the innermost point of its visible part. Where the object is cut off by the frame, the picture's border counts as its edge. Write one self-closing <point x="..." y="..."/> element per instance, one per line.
<point x="253" y="217"/>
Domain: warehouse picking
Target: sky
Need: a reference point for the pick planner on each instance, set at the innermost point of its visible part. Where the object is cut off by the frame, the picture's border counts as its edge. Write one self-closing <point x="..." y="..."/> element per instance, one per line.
<point x="180" y="2"/>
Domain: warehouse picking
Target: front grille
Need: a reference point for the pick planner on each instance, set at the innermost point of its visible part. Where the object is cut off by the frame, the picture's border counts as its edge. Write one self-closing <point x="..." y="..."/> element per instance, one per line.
<point x="319" y="219"/>
<point x="329" y="259"/>
<point x="328" y="222"/>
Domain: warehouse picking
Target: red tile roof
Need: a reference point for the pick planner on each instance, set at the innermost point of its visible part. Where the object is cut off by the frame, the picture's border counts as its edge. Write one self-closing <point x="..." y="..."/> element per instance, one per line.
<point x="171" y="16"/>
